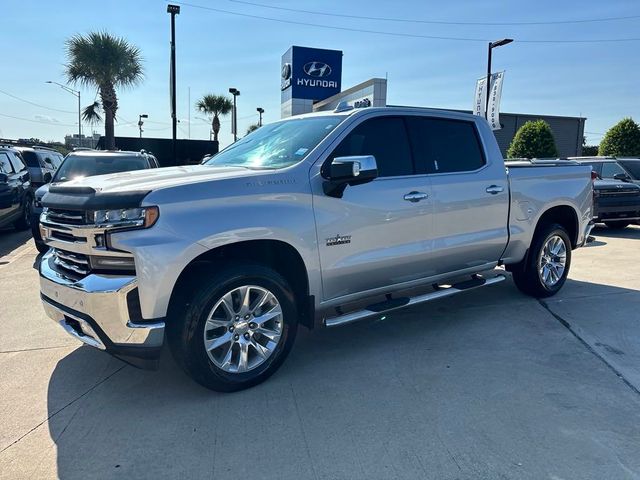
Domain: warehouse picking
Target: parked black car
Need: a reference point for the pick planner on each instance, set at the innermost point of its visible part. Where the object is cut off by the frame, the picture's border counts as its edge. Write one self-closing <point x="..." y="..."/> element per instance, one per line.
<point x="616" y="203"/>
<point x="16" y="195"/>
<point x="623" y="169"/>
<point x="87" y="163"/>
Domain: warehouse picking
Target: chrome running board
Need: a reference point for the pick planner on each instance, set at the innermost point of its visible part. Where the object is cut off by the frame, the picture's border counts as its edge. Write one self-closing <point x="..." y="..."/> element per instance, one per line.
<point x="396" y="303"/>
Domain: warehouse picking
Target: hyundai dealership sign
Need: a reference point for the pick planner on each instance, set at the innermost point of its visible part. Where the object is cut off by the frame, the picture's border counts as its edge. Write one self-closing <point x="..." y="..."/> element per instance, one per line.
<point x="310" y="73"/>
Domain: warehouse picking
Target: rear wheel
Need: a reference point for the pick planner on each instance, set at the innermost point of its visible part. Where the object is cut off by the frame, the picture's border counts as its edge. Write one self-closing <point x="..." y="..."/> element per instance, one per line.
<point x="545" y="270"/>
<point x="618" y="225"/>
<point x="24" y="222"/>
<point x="236" y="329"/>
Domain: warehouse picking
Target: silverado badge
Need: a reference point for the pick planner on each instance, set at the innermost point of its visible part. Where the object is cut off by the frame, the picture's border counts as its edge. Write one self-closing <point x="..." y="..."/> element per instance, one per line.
<point x="338" y="240"/>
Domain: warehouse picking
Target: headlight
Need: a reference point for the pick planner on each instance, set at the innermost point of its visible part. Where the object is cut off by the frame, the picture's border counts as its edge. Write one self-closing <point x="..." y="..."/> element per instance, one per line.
<point x="144" y="217"/>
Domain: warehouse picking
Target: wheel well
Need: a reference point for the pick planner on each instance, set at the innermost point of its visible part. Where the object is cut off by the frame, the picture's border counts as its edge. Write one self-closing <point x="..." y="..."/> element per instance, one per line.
<point x="562" y="215"/>
<point x="275" y="254"/>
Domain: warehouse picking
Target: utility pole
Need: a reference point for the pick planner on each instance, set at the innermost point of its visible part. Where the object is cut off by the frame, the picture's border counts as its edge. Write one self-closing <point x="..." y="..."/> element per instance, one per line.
<point x="77" y="94"/>
<point x="234" y="116"/>
<point x="492" y="45"/>
<point x="140" y="122"/>
<point x="173" y="10"/>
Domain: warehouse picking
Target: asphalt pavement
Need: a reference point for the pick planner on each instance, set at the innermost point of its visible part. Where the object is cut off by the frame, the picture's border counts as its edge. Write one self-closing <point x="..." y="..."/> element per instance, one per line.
<point x="489" y="384"/>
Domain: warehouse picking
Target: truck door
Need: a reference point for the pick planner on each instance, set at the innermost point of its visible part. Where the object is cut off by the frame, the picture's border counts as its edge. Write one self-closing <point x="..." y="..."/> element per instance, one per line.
<point x="470" y="193"/>
<point x="8" y="190"/>
<point x="378" y="234"/>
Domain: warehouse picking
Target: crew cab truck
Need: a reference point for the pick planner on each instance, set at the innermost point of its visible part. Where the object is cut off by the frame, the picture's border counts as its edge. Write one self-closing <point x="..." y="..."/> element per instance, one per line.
<point x="316" y="220"/>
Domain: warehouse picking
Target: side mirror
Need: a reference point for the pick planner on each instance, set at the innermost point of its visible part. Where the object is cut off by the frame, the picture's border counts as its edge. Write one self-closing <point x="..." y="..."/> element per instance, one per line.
<point x="621" y="176"/>
<point x="4" y="178"/>
<point x="354" y="170"/>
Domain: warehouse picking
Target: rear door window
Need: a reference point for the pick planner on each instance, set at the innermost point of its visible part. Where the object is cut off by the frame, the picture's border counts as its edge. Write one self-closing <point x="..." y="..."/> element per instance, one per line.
<point x="31" y="159"/>
<point x="16" y="162"/>
<point x="445" y="146"/>
<point x="5" y="165"/>
<point x="386" y="139"/>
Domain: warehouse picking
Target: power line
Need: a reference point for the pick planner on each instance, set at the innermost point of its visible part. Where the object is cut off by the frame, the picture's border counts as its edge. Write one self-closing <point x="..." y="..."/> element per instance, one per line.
<point x="434" y="22"/>
<point x="399" y="34"/>
<point x="38" y="121"/>
<point x="36" y="104"/>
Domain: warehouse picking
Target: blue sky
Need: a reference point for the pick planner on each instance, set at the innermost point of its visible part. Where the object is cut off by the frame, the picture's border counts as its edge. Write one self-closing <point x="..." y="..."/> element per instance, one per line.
<point x="217" y="50"/>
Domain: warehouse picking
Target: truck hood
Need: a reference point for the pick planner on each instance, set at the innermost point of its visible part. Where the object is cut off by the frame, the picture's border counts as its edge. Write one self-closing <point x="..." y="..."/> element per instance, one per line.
<point x="614" y="185"/>
<point x="156" y="178"/>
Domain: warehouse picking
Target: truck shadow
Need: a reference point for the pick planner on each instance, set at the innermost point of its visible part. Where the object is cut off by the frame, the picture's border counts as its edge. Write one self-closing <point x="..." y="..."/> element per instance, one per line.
<point x="413" y="370"/>
<point x="632" y="231"/>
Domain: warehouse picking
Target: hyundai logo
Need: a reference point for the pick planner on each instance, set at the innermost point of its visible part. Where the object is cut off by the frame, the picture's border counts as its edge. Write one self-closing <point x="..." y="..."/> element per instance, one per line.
<point x="317" y="69"/>
<point x="286" y="71"/>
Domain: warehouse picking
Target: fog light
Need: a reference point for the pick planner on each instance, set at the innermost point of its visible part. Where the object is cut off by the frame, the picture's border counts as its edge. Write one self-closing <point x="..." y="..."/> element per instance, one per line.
<point x="100" y="243"/>
<point x="112" y="263"/>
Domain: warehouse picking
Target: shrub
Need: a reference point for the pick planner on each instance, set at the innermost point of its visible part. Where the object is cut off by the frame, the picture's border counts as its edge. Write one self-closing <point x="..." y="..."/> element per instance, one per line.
<point x="533" y="140"/>
<point x="622" y="140"/>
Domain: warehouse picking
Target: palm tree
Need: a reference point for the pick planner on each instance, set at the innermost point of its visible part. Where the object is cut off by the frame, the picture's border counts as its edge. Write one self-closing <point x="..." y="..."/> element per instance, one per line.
<point x="215" y="105"/>
<point x="105" y="62"/>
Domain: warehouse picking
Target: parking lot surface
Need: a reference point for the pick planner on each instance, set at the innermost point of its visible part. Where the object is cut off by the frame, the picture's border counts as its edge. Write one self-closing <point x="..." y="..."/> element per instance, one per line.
<point x="490" y="384"/>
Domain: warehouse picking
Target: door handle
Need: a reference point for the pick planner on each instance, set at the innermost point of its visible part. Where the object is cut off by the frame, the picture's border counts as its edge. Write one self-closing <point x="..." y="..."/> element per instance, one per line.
<point x="415" y="196"/>
<point x="495" y="189"/>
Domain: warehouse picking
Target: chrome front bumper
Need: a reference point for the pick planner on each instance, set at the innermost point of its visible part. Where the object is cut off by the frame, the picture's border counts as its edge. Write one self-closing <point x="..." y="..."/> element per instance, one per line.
<point x="98" y="311"/>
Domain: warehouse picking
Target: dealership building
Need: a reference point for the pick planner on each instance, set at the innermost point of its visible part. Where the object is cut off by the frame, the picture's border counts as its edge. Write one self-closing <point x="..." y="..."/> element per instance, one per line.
<point x="312" y="82"/>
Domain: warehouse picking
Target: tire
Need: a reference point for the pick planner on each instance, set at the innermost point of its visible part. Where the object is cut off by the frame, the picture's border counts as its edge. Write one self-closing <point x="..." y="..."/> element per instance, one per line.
<point x="527" y="275"/>
<point x="617" y="225"/>
<point x="202" y="317"/>
<point x="24" y="222"/>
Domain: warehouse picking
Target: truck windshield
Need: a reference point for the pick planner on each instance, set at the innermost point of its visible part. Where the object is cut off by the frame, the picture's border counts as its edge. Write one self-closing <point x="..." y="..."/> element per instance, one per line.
<point x="276" y="145"/>
<point x="75" y="166"/>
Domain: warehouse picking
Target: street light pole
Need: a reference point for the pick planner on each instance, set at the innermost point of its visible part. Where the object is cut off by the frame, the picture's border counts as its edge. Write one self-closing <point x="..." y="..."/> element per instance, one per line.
<point x="234" y="116"/>
<point x="77" y="94"/>
<point x="173" y="10"/>
<point x="140" y="122"/>
<point x="492" y="45"/>
<point x="260" y="111"/>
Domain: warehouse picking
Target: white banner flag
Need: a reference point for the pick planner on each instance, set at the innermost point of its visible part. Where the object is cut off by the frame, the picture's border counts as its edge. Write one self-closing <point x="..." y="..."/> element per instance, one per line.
<point x="494" y="100"/>
<point x="495" y="93"/>
<point x="480" y="98"/>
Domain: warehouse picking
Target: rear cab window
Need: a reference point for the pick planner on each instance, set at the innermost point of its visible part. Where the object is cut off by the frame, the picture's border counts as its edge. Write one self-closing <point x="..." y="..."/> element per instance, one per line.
<point x="445" y="145"/>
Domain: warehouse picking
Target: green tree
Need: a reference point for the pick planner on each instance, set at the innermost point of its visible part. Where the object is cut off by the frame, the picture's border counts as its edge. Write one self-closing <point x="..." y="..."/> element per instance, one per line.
<point x="533" y="140"/>
<point x="214" y="106"/>
<point x="252" y="128"/>
<point x="105" y="62"/>
<point x="621" y="140"/>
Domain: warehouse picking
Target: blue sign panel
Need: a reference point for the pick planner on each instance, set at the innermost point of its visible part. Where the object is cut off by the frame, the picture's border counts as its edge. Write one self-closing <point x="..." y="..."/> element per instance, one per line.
<point x="311" y="73"/>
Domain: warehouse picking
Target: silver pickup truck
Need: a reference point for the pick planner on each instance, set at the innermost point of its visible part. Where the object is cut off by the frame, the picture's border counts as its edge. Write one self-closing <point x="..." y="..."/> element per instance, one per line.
<point x="316" y="220"/>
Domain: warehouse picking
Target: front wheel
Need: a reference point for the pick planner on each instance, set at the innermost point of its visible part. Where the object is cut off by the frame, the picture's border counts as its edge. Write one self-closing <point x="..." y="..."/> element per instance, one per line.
<point x="545" y="270"/>
<point x="236" y="329"/>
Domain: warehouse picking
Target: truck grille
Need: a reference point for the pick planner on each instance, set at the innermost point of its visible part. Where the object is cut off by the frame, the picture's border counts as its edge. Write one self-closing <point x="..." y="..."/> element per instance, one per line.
<point x="620" y="192"/>
<point x="71" y="264"/>
<point x="67" y="217"/>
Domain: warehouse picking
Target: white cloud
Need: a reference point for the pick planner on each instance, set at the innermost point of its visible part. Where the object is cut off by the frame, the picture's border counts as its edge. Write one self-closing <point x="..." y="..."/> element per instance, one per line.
<point x="46" y="118"/>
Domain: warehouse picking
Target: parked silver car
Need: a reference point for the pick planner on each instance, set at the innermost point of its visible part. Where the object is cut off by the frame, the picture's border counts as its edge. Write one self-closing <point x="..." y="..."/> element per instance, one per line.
<point x="42" y="163"/>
